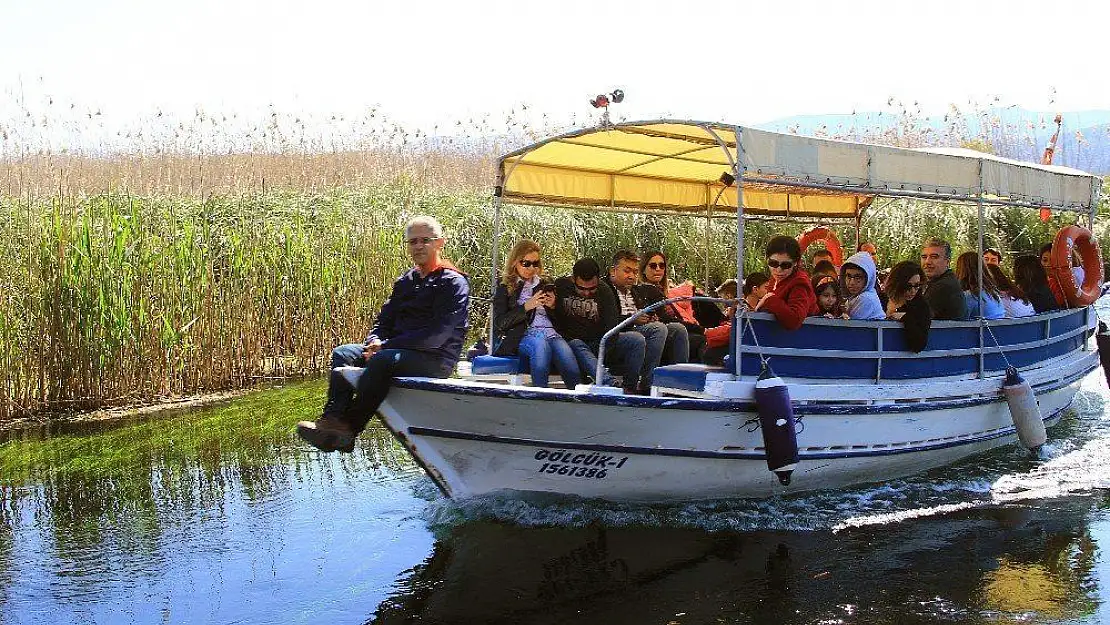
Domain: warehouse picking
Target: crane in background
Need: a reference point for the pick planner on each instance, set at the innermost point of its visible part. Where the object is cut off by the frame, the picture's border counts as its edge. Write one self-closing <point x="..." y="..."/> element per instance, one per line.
<point x="1050" y="149"/>
<point x="1046" y="159"/>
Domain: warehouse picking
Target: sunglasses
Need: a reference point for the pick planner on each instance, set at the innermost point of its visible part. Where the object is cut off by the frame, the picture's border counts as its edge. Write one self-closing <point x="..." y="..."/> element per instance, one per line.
<point x="784" y="265"/>
<point x="425" y="240"/>
<point x="529" y="263"/>
<point x="657" y="265"/>
<point x="913" y="285"/>
<point x="585" y="289"/>
<point x="855" y="276"/>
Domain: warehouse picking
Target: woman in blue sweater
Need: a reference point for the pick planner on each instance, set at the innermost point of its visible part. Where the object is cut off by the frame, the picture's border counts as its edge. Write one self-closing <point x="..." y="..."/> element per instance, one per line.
<point x="967" y="271"/>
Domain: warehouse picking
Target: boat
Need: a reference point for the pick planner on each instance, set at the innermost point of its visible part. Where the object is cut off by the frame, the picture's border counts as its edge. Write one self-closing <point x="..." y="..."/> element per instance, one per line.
<point x="866" y="410"/>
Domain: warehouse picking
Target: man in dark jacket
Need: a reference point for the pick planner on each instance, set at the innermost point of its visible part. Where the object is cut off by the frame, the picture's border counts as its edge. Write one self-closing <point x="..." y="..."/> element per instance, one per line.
<point x="419" y="332"/>
<point x="585" y="309"/>
<point x="623" y="276"/>
<point x="943" y="292"/>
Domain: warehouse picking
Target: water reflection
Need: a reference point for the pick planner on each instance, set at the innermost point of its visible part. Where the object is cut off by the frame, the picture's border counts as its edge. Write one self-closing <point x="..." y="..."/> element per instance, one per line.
<point x="94" y="524"/>
<point x="1058" y="583"/>
<point x="969" y="567"/>
<point x="147" y="468"/>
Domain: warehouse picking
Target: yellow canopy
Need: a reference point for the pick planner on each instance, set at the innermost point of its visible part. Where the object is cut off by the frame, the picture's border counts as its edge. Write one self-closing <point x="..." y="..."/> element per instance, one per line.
<point x="676" y="167"/>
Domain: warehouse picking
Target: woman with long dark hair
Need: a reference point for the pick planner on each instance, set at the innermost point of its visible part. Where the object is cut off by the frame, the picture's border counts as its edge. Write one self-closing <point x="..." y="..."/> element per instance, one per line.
<point x="683" y="325"/>
<point x="1030" y="277"/>
<point x="967" y="272"/>
<point x="905" y="303"/>
<point x="1013" y="298"/>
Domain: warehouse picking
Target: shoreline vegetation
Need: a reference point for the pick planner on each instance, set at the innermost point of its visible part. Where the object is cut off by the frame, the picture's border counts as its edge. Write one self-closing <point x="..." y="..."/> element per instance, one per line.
<point x="184" y="270"/>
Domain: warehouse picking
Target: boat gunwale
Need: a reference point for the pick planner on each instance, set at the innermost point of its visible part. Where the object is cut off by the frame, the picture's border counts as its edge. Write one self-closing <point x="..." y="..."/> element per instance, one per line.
<point x="501" y="391"/>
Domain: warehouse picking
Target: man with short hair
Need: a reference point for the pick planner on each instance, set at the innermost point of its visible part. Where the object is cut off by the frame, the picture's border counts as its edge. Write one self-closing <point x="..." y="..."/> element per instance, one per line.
<point x="623" y="276"/>
<point x="419" y="332"/>
<point x="585" y="309"/>
<point x="943" y="292"/>
<point x="870" y="248"/>
<point x="992" y="256"/>
<point x="821" y="255"/>
<point x="1077" y="272"/>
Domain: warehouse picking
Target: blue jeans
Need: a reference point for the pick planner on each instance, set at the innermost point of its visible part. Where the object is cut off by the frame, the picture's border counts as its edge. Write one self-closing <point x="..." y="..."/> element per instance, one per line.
<point x="537" y="353"/>
<point x="357" y="406"/>
<point x="678" y="342"/>
<point x="625" y="347"/>
<point x="655" y="337"/>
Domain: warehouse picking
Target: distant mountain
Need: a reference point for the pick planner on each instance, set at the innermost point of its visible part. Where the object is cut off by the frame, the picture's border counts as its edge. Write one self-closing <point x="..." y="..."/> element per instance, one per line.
<point x="1014" y="132"/>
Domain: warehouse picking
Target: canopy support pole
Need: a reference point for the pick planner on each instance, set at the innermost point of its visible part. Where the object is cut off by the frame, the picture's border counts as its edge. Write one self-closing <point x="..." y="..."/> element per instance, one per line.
<point x="705" y="243"/>
<point x="979" y="264"/>
<point x="1096" y="191"/>
<point x="738" y="171"/>
<point x="859" y="219"/>
<point x="498" y="190"/>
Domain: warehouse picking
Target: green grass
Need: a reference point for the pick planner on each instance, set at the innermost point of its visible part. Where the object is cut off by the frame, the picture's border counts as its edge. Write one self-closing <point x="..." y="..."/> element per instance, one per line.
<point x="131" y="468"/>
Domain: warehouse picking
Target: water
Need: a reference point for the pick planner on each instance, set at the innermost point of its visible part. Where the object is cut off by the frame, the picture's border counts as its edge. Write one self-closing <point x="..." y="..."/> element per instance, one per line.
<point x="220" y="515"/>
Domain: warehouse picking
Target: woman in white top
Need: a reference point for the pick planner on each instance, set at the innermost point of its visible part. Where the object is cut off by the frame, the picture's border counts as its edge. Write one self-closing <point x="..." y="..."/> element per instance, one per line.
<point x="1013" y="300"/>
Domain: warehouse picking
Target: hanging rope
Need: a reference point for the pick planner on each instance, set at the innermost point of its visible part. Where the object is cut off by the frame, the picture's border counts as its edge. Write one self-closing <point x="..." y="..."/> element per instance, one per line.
<point x="998" y="345"/>
<point x="764" y="361"/>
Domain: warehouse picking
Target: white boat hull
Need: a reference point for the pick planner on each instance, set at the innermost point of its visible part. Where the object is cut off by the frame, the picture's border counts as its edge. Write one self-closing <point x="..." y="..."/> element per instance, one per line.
<point x="476" y="438"/>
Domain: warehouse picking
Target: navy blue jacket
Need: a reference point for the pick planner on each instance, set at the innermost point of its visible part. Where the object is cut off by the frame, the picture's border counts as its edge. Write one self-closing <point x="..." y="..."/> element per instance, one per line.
<point x="426" y="314"/>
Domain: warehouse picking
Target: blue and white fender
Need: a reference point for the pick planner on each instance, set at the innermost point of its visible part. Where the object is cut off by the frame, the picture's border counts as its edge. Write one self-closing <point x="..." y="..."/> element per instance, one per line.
<point x="776" y="420"/>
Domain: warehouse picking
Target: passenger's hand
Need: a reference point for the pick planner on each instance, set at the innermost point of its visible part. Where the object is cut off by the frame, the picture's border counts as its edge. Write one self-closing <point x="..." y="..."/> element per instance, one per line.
<point x="548" y="299"/>
<point x="642" y="319"/>
<point x="762" y="301"/>
<point x="896" y="315"/>
<point x="373" y="346"/>
<point x="535" y="301"/>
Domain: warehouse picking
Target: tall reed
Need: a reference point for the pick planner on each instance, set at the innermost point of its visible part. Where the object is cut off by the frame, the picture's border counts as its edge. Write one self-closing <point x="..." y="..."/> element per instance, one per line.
<point x="192" y="261"/>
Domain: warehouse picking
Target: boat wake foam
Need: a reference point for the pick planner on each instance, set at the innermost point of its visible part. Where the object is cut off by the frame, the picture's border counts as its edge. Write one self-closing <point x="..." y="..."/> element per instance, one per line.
<point x="1068" y="471"/>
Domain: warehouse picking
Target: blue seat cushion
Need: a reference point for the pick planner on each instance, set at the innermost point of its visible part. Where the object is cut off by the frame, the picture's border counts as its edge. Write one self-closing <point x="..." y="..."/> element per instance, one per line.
<point x="493" y="365"/>
<point x="687" y="376"/>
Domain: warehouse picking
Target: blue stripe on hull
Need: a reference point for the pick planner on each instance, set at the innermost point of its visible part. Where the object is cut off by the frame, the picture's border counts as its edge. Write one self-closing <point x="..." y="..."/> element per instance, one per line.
<point x="719" y="455"/>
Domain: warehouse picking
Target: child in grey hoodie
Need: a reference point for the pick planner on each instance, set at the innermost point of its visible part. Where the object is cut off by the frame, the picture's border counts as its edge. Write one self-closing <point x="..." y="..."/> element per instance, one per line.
<point x="858" y="277"/>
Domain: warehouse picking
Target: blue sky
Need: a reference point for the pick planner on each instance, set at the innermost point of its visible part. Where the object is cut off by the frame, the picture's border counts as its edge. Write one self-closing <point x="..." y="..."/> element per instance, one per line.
<point x="424" y="63"/>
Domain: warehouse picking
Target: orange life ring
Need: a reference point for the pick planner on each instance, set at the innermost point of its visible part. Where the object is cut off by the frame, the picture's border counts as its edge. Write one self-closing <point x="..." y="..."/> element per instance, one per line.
<point x="821" y="233"/>
<point x="1067" y="239"/>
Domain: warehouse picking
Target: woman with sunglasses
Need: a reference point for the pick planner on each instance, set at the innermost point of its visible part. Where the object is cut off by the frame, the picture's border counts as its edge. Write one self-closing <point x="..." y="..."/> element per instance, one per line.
<point x="678" y="316"/>
<point x="903" y="288"/>
<point x="521" y="309"/>
<point x="791" y="299"/>
<point x="654" y="269"/>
